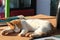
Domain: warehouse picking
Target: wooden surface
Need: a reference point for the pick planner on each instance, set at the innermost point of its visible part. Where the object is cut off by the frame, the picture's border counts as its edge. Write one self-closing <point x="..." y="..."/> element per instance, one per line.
<point x="14" y="36"/>
<point x="41" y="16"/>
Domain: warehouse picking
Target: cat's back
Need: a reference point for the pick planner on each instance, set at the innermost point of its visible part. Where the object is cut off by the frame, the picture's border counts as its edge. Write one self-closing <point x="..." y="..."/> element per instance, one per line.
<point x="34" y="23"/>
<point x="37" y="21"/>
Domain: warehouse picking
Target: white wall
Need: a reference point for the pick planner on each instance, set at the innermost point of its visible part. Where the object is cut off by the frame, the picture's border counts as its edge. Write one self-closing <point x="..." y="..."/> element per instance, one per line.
<point x="43" y="6"/>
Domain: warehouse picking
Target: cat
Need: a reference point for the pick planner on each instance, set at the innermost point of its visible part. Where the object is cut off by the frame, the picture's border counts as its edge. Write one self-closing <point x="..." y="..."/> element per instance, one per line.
<point x="39" y="27"/>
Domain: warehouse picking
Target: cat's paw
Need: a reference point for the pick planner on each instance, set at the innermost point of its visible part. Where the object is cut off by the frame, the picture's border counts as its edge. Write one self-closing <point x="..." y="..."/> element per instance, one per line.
<point x="27" y="34"/>
<point x="22" y="35"/>
<point x="31" y="35"/>
<point x="34" y="35"/>
<point x="4" y="33"/>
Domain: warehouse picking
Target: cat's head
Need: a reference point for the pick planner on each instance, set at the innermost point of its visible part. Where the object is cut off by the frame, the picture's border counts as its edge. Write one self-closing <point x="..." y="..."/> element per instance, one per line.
<point x="14" y="23"/>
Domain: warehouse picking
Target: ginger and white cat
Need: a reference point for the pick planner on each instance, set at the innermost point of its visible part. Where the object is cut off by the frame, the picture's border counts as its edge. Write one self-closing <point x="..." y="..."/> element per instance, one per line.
<point x="38" y="26"/>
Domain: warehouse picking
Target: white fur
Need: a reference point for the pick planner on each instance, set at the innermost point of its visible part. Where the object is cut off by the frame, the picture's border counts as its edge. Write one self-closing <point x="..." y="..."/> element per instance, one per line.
<point x="16" y="29"/>
<point x="36" y="25"/>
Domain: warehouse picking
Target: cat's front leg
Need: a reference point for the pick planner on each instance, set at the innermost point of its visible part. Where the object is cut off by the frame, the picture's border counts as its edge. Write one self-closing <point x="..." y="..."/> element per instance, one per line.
<point x="23" y="32"/>
<point x="5" y="32"/>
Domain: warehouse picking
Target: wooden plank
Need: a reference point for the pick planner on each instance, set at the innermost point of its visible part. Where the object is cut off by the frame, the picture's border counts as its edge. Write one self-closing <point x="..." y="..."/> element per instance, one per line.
<point x="13" y="38"/>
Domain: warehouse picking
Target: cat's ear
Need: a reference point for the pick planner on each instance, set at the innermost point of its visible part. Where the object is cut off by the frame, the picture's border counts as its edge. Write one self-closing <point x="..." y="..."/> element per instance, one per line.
<point x="10" y="25"/>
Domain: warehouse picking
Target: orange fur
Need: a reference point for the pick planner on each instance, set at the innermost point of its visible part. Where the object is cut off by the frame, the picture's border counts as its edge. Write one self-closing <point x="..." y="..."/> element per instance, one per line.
<point x="12" y="23"/>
